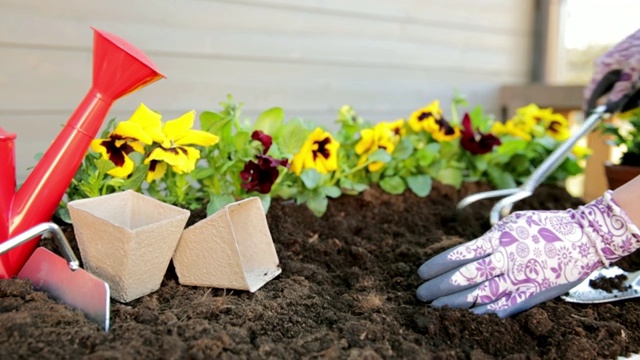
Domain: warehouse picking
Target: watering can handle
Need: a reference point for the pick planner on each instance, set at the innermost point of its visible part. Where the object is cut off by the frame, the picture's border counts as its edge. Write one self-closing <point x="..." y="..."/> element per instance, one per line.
<point x="41" y="229"/>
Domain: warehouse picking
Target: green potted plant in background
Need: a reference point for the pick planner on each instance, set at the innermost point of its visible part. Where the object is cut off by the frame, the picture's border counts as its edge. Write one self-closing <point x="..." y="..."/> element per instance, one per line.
<point x="622" y="132"/>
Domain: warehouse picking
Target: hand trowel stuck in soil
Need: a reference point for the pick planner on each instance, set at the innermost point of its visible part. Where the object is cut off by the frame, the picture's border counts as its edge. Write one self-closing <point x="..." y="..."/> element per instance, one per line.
<point x="63" y="279"/>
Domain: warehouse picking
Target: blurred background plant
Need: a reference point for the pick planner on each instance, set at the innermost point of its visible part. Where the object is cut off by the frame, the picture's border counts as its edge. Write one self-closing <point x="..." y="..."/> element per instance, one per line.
<point x="230" y="158"/>
<point x="622" y="132"/>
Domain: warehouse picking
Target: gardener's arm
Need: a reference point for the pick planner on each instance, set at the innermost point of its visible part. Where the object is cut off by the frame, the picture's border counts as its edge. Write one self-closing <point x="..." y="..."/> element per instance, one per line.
<point x="628" y="197"/>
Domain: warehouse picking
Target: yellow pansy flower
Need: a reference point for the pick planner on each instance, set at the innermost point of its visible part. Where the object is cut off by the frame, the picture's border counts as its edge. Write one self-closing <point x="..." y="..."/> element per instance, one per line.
<point x="557" y="127"/>
<point x="419" y="119"/>
<point x="441" y="130"/>
<point x="397" y="128"/>
<point x="379" y="137"/>
<point x="174" y="139"/>
<point x="518" y="126"/>
<point x="581" y="152"/>
<point x="126" y="138"/>
<point x="319" y="151"/>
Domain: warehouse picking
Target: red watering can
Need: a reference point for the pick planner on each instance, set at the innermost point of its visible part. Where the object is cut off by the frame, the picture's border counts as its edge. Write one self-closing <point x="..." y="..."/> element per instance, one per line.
<point x="118" y="69"/>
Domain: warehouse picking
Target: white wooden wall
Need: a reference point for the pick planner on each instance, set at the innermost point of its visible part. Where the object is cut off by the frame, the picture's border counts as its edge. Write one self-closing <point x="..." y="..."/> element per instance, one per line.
<point x="385" y="58"/>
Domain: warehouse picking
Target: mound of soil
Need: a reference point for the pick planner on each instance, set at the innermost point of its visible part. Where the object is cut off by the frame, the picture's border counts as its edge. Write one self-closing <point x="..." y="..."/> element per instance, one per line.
<point x="347" y="291"/>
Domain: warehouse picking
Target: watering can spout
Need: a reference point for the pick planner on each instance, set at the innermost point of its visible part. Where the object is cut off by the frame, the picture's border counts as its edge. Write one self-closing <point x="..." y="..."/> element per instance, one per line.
<point x="118" y="69"/>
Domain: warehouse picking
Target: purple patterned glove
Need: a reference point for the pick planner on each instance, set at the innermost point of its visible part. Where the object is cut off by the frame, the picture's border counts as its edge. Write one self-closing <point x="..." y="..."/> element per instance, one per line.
<point x="529" y="257"/>
<point x="617" y="72"/>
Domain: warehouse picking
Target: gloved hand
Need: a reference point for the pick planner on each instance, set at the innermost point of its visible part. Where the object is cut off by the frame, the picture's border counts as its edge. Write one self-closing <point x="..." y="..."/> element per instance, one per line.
<point x="617" y="72"/>
<point x="529" y="257"/>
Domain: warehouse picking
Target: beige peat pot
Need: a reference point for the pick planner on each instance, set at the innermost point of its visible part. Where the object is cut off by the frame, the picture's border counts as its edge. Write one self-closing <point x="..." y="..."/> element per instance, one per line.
<point x="127" y="239"/>
<point x="230" y="249"/>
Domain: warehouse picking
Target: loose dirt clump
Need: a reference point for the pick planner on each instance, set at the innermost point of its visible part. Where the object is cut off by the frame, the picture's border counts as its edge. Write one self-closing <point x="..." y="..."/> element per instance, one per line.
<point x="347" y="291"/>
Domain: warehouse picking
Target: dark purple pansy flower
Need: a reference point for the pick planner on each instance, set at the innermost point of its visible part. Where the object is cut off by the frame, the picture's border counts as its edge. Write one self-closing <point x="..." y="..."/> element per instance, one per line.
<point x="259" y="176"/>
<point x="476" y="143"/>
<point x="264" y="139"/>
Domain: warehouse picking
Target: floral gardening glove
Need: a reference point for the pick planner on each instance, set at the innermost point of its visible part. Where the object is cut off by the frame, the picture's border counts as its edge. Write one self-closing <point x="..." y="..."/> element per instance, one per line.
<point x="529" y="257"/>
<point x="617" y="72"/>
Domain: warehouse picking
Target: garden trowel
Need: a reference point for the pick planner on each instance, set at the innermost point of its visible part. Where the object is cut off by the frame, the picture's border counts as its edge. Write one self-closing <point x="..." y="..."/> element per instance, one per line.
<point x="63" y="279"/>
<point x="623" y="285"/>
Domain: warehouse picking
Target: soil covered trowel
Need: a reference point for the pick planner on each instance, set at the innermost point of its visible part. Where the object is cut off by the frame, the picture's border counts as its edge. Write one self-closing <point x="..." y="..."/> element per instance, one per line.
<point x="606" y="285"/>
<point x="62" y="278"/>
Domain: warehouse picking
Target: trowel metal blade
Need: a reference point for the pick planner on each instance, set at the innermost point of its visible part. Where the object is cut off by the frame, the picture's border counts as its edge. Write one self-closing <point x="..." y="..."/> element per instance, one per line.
<point x="79" y="289"/>
<point x="583" y="293"/>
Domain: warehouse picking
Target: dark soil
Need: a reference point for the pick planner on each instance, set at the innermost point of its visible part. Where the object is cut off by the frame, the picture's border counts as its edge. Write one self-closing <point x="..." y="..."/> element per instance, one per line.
<point x="610" y="284"/>
<point x="347" y="291"/>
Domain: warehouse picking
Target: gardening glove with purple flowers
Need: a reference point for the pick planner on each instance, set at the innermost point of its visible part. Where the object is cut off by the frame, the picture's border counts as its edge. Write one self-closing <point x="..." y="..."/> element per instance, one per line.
<point x="529" y="257"/>
<point x="617" y="73"/>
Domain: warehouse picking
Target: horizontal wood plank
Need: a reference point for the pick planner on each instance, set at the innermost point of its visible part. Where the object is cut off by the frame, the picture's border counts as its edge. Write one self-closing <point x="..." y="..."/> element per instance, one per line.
<point x="361" y="42"/>
<point x="36" y="77"/>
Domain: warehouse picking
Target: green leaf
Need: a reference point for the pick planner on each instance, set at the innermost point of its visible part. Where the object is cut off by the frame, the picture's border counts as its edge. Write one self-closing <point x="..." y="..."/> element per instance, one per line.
<point x="512" y="146"/>
<point x="210" y="120"/>
<point x="393" y="185"/>
<point x="137" y="177"/>
<point x="270" y="120"/>
<point x="450" y="176"/>
<point x="285" y="191"/>
<point x="501" y="179"/>
<point x="379" y="155"/>
<point x="449" y="149"/>
<point x="481" y="163"/>
<point x="241" y="140"/>
<point x="200" y="173"/>
<point x="404" y="149"/>
<point x="332" y="191"/>
<point x="318" y="204"/>
<point x="63" y="213"/>
<point x="311" y="178"/>
<point x="420" y="184"/>
<point x="351" y="187"/>
<point x="116" y="182"/>
<point x="547" y="142"/>
<point x="291" y="136"/>
<point x="428" y="154"/>
<point x="217" y="202"/>
<point x="104" y="165"/>
<point x="519" y="163"/>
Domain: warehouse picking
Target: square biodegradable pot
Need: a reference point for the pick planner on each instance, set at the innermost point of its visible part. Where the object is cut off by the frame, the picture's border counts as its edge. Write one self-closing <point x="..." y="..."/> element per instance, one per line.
<point x="127" y="239"/>
<point x="230" y="249"/>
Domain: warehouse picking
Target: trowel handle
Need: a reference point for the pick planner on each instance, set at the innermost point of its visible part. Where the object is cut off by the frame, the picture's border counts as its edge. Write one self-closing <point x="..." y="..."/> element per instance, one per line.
<point x="557" y="156"/>
<point x="42" y="229"/>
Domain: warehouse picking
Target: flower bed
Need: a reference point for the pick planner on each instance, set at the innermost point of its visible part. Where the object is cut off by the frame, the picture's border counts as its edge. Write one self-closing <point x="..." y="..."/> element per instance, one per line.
<point x="347" y="290"/>
<point x="232" y="158"/>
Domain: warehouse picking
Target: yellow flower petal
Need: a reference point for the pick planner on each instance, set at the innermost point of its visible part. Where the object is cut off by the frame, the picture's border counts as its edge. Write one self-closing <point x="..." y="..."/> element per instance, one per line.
<point x="122" y="171"/>
<point x="375" y="166"/>
<point x="177" y="128"/>
<point x="137" y="146"/>
<point x="197" y="137"/>
<point x="157" y="171"/>
<point x="131" y="130"/>
<point x="581" y="151"/>
<point x="366" y="142"/>
<point x="97" y="146"/>
<point x="172" y="158"/>
<point x="150" y="121"/>
<point x="188" y="163"/>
